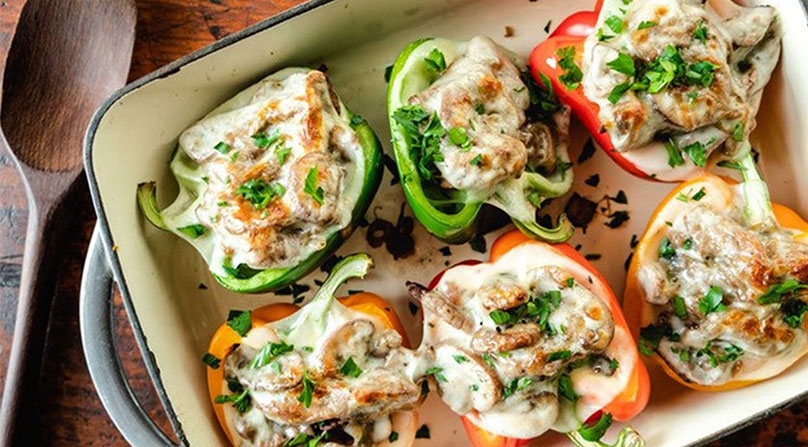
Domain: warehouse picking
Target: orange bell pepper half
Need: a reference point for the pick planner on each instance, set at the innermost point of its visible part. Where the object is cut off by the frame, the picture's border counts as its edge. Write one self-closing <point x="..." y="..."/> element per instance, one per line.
<point x="719" y="193"/>
<point x="636" y="388"/>
<point x="225" y="338"/>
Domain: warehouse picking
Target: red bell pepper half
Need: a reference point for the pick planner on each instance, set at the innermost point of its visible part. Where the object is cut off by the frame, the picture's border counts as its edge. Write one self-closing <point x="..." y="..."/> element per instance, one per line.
<point x="632" y="397"/>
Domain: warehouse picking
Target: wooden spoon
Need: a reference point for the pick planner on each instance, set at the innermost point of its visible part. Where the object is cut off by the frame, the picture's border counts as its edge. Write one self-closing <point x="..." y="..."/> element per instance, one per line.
<point x="66" y="57"/>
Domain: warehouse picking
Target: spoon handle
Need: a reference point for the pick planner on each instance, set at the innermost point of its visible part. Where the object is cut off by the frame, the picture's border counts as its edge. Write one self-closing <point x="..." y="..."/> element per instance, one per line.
<point x="37" y="290"/>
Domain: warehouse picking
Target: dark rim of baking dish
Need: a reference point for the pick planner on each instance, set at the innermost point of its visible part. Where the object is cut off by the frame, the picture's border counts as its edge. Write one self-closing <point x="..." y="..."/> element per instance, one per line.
<point x="106" y="236"/>
<point x="148" y="358"/>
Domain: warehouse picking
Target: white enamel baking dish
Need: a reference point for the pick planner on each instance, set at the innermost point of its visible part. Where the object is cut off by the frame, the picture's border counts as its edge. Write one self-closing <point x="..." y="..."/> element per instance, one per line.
<point x="131" y="136"/>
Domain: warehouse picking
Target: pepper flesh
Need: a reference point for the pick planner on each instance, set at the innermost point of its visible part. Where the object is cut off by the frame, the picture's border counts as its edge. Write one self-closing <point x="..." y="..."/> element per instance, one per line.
<point x="632" y="398"/>
<point x="409" y="76"/>
<point x="633" y="298"/>
<point x="225" y="337"/>
<point x="191" y="180"/>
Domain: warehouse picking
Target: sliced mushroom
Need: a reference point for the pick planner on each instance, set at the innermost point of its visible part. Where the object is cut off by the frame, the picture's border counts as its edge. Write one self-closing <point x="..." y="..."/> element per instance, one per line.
<point x="381" y="345"/>
<point x="350" y="340"/>
<point x="487" y="340"/>
<point x="504" y="297"/>
<point x="434" y="303"/>
<point x="282" y="373"/>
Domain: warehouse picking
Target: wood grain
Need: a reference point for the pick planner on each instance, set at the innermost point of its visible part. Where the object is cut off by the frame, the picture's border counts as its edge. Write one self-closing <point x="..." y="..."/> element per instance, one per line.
<point x="73" y="416"/>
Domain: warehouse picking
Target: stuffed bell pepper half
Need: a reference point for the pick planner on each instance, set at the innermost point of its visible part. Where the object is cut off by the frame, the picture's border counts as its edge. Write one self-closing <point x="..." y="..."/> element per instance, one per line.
<point x="530" y="341"/>
<point x="470" y="127"/>
<point x="718" y="285"/>
<point x="664" y="86"/>
<point x="336" y="372"/>
<point x="270" y="182"/>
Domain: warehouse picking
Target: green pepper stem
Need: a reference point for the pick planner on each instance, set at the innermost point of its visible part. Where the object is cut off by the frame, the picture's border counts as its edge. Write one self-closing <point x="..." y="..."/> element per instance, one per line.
<point x="147" y="201"/>
<point x="314" y="314"/>
<point x="758" y="212"/>
<point x="628" y="437"/>
<point x="512" y="197"/>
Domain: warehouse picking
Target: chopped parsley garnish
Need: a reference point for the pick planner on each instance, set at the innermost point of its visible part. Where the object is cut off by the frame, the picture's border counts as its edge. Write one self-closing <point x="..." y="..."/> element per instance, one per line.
<point x="569" y="282"/>
<point x="737" y="132"/>
<point x="730" y="354"/>
<point x="260" y="192"/>
<point x="701" y="73"/>
<point x="707" y="350"/>
<point x="572" y="73"/>
<point x="393" y="437"/>
<point x="270" y="352"/>
<point x="666" y="249"/>
<point x="674" y="154"/>
<point x="646" y="24"/>
<point x="437" y="372"/>
<point x="615" y="23"/>
<point x="422" y="133"/>
<point x="794" y="312"/>
<point x="712" y="301"/>
<point x="595" y="432"/>
<point x="731" y="165"/>
<point x="311" y="188"/>
<point x="263" y="141"/>
<point x="222" y="147"/>
<point x="211" y="360"/>
<point x="308" y="390"/>
<point x="774" y="294"/>
<point x="618" y="91"/>
<point x="565" y="388"/>
<point x="350" y="369"/>
<point x="460" y="359"/>
<point x="617" y="218"/>
<point x="687" y="244"/>
<point x="192" y="231"/>
<point x="535" y="310"/>
<point x="239" y="321"/>
<point x="305" y="440"/>
<point x="478" y="244"/>
<point x="697" y="153"/>
<point x="477" y="160"/>
<point x="603" y="37"/>
<point x="282" y="152"/>
<point x="650" y="336"/>
<point x="241" y="400"/>
<point x="559" y="355"/>
<point x="699" y="194"/>
<point x="422" y="432"/>
<point x="623" y="63"/>
<point x="459" y="137"/>
<point x="488" y="360"/>
<point x="700" y="32"/>
<point x="435" y="62"/>
<point x="516" y="385"/>
<point x="679" y="307"/>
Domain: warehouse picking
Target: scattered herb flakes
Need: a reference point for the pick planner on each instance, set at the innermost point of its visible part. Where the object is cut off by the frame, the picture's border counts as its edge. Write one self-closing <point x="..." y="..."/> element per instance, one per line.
<point x="239" y="321"/>
<point x="222" y="147"/>
<point x="627" y="262"/>
<point x="618" y="91"/>
<point x="634" y="241"/>
<point x="192" y="231"/>
<point x="202" y="286"/>
<point x="310" y="187"/>
<point x="645" y="24"/>
<point x="572" y="73"/>
<point x="593" y="180"/>
<point x="674" y="154"/>
<point x="559" y="355"/>
<point x="623" y="63"/>
<point x="699" y="194"/>
<point x="478" y="244"/>
<point x="666" y="249"/>
<point x="330" y="263"/>
<point x="268" y="353"/>
<point x="587" y="152"/>
<point x="282" y="152"/>
<point x="711" y="302"/>
<point x="614" y="23"/>
<point x="423" y="432"/>
<point x="580" y="210"/>
<point x="679" y="307"/>
<point x="737" y="132"/>
<point x="617" y="218"/>
<point x="594" y="432"/>
<point x="445" y="251"/>
<point x="592" y="256"/>
<point x="620" y="198"/>
<point x="565" y="388"/>
<point x="260" y="192"/>
<point x="477" y="160"/>
<point x="435" y="62"/>
<point x="393" y="437"/>
<point x="731" y="165"/>
<point x="437" y="372"/>
<point x="307" y="393"/>
<point x="775" y="293"/>
<point x="459" y="137"/>
<point x="460" y="359"/>
<point x="700" y="32"/>
<point x="413" y="307"/>
<point x="211" y="360"/>
<point x="263" y="141"/>
<point x="547" y="26"/>
<point x="509" y="32"/>
<point x="794" y="312"/>
<point x="350" y="369"/>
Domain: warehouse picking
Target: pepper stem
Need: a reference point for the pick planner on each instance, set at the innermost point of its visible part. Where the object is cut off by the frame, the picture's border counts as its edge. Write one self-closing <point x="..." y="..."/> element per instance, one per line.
<point x="628" y="437"/>
<point x="513" y="198"/>
<point x="757" y="210"/>
<point x="147" y="201"/>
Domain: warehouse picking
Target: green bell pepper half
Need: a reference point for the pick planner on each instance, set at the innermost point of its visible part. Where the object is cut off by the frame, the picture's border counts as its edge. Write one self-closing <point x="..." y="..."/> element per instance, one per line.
<point x="179" y="218"/>
<point x="455" y="217"/>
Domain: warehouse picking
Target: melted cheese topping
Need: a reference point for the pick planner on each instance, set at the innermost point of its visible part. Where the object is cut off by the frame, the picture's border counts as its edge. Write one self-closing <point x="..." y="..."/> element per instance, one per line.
<point x="364" y="410"/>
<point x="707" y="250"/>
<point x="741" y="44"/>
<point x="482" y="95"/>
<point x="504" y="377"/>
<point x="278" y="167"/>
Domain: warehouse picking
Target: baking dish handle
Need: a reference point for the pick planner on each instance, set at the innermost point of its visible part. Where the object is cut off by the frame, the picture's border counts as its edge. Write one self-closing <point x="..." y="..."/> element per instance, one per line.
<point x="98" y="341"/>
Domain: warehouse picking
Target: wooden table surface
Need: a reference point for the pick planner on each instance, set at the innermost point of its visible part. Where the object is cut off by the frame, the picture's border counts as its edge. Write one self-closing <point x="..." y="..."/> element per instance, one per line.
<point x="73" y="415"/>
